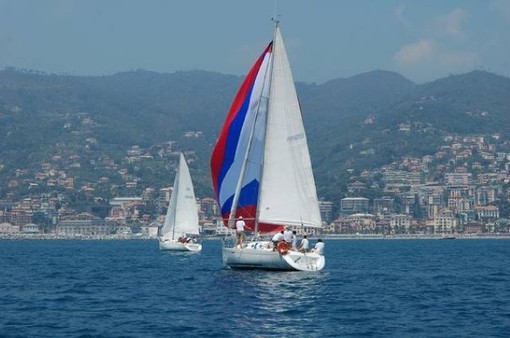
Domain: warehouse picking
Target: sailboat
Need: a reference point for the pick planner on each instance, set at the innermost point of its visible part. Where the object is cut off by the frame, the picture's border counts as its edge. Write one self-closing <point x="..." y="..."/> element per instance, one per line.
<point x="181" y="219"/>
<point x="261" y="168"/>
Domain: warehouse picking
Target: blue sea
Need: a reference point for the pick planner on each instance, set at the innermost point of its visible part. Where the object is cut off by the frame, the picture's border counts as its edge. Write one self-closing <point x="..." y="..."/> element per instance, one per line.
<point x="369" y="288"/>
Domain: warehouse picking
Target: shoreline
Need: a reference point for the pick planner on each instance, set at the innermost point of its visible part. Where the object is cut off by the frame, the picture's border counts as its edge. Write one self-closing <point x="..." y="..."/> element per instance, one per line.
<point x="409" y="237"/>
<point x="74" y="237"/>
<point x="323" y="236"/>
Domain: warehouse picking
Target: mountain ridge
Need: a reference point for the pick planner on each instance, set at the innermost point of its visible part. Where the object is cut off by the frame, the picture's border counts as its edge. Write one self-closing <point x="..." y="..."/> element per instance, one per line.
<point x="40" y="111"/>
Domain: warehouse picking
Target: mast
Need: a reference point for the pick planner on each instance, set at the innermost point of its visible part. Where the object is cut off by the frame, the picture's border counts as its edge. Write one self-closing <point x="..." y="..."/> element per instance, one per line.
<point x="276" y="22"/>
<point x="240" y="181"/>
<point x="242" y="175"/>
<point x="175" y="190"/>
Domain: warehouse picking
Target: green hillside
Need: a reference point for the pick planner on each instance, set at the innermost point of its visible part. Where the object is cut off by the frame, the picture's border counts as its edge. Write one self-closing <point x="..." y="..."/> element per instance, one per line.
<point x="354" y="123"/>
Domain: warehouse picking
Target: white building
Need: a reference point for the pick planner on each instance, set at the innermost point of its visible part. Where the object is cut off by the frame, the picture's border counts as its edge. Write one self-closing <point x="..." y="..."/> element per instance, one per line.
<point x="445" y="222"/>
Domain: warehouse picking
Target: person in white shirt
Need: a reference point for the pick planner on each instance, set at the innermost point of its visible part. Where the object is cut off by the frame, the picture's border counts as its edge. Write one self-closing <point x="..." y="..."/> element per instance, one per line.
<point x="240" y="231"/>
<point x="304" y="244"/>
<point x="294" y="240"/>
<point x="277" y="238"/>
<point x="319" y="247"/>
<point x="287" y="236"/>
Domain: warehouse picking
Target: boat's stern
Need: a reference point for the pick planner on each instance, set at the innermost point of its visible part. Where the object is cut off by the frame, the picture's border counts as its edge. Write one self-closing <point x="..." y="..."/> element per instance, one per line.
<point x="308" y="261"/>
<point x="194" y="247"/>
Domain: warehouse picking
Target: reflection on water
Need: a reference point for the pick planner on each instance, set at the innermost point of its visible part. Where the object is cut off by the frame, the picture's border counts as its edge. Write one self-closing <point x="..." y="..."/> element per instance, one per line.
<point x="274" y="301"/>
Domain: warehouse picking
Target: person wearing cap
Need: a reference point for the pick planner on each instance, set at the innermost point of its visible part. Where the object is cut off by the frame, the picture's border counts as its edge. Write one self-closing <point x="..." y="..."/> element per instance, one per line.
<point x="240" y="231"/>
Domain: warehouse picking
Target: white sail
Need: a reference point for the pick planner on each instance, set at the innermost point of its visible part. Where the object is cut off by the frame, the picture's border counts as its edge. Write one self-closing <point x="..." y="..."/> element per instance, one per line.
<point x="182" y="214"/>
<point x="261" y="167"/>
<point x="288" y="195"/>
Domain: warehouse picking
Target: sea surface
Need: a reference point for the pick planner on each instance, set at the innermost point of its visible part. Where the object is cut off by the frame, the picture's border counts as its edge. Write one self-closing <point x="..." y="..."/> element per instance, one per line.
<point x="369" y="288"/>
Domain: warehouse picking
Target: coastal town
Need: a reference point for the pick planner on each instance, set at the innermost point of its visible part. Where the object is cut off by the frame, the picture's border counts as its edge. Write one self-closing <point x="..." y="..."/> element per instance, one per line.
<point x="462" y="190"/>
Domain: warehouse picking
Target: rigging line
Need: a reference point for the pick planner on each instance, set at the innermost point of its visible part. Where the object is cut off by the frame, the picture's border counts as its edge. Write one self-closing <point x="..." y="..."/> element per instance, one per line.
<point x="276" y="16"/>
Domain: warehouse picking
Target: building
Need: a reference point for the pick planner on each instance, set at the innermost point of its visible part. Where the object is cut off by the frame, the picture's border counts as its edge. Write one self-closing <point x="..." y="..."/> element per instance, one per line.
<point x="83" y="227"/>
<point x="362" y="222"/>
<point x="400" y="224"/>
<point x="30" y="228"/>
<point x="487" y="213"/>
<point x="125" y="207"/>
<point x="326" y="210"/>
<point x="384" y="205"/>
<point x="7" y="228"/>
<point x="445" y="222"/>
<point x="457" y="178"/>
<point x="351" y="205"/>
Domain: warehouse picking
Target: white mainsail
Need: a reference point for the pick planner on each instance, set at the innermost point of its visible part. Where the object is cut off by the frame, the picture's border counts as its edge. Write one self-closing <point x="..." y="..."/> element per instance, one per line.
<point x="182" y="214"/>
<point x="287" y="195"/>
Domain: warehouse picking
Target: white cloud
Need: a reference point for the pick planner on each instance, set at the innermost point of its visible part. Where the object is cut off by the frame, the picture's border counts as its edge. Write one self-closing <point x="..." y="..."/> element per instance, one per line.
<point x="450" y="25"/>
<point x="427" y="60"/>
<point x="442" y="50"/>
<point x="414" y="53"/>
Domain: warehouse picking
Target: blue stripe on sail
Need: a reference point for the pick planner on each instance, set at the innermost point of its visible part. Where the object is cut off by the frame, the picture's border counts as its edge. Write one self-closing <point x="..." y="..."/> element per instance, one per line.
<point x="233" y="136"/>
<point x="247" y="197"/>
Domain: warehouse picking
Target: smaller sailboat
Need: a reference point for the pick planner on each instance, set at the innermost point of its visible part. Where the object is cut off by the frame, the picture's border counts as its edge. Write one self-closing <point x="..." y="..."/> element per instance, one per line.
<point x="181" y="228"/>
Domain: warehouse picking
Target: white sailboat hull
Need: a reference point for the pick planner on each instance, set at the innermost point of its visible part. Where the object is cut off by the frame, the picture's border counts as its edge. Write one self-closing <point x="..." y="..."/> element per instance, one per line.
<point x="169" y="245"/>
<point x="260" y="255"/>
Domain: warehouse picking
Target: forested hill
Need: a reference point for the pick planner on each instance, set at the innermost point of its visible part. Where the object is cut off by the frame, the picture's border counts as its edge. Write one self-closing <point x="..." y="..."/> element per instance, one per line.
<point x="352" y="123"/>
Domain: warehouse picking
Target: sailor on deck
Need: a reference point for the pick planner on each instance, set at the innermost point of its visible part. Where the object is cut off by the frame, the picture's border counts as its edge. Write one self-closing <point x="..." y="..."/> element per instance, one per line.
<point x="240" y="231"/>
<point x="319" y="247"/>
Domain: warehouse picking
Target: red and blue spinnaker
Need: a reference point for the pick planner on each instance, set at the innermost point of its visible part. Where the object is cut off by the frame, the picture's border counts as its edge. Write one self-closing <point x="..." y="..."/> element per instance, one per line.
<point x="245" y="120"/>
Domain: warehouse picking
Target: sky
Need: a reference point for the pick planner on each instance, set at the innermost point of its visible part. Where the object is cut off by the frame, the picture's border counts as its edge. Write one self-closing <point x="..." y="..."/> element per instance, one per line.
<point x="423" y="40"/>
